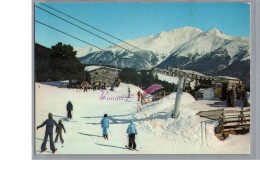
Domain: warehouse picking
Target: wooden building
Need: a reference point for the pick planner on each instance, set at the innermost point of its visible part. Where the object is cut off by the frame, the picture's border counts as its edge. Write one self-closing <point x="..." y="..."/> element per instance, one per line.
<point x="222" y="84"/>
<point x="100" y="74"/>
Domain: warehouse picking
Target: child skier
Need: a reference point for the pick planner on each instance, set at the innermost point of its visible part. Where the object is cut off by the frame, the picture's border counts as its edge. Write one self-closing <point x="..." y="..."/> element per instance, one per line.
<point x="131" y="131"/>
<point x="59" y="131"/>
<point x="48" y="132"/>
<point x="105" y="126"/>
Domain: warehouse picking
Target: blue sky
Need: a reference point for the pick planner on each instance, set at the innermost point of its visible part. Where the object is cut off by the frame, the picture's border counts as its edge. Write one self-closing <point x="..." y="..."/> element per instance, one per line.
<point x="135" y="20"/>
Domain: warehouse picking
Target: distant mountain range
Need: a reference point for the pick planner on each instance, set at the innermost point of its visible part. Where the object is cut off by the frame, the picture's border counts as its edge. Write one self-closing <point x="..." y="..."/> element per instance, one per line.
<point x="211" y="52"/>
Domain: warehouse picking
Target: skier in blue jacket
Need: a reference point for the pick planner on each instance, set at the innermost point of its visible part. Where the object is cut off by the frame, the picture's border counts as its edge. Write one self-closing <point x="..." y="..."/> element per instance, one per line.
<point x="131" y="131"/>
<point x="48" y="132"/>
<point x="105" y="125"/>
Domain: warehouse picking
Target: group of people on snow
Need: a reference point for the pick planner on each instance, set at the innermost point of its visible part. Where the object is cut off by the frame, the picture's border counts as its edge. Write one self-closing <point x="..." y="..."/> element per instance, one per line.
<point x="116" y="83"/>
<point x="131" y="131"/>
<point x="50" y="123"/>
<point x="233" y="96"/>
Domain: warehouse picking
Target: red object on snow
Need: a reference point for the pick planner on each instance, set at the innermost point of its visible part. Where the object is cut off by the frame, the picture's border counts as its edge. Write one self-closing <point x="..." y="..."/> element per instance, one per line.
<point x="151" y="89"/>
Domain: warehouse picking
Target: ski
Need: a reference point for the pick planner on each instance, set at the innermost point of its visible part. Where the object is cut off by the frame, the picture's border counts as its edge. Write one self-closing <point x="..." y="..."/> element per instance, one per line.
<point x="131" y="148"/>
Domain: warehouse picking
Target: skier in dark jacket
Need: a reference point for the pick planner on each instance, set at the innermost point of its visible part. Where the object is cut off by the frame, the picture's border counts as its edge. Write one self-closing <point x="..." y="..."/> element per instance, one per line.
<point x="48" y="132"/>
<point x="131" y="131"/>
<point x="59" y="131"/>
<point x="69" y="109"/>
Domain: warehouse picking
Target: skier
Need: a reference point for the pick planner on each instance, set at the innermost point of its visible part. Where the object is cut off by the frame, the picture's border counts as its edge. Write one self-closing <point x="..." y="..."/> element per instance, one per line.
<point x="129" y="92"/>
<point x="48" y="132"/>
<point x="131" y="131"/>
<point x="59" y="131"/>
<point x="94" y="86"/>
<point x="117" y="81"/>
<point x="139" y="95"/>
<point x="105" y="125"/>
<point x="103" y="86"/>
<point x="85" y="87"/>
<point x="69" y="109"/>
<point x="112" y="86"/>
<point x="246" y="97"/>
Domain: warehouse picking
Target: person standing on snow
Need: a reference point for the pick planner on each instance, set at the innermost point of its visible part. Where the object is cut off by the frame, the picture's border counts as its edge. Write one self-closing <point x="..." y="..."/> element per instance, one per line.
<point x="59" y="132"/>
<point x="234" y="97"/>
<point x="246" y="98"/>
<point x="105" y="126"/>
<point x="85" y="86"/>
<point x="129" y="91"/>
<point x="131" y="131"/>
<point x="69" y="109"/>
<point x="139" y="95"/>
<point x="48" y="132"/>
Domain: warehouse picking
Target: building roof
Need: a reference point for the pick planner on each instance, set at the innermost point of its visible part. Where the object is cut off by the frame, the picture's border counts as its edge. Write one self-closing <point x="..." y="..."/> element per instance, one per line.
<point x="227" y="77"/>
<point x="95" y="67"/>
<point x="193" y="72"/>
<point x="91" y="68"/>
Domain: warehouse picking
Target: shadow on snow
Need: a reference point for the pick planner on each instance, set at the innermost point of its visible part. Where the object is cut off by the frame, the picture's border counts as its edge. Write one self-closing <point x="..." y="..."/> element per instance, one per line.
<point x="90" y="135"/>
<point x="111" y="146"/>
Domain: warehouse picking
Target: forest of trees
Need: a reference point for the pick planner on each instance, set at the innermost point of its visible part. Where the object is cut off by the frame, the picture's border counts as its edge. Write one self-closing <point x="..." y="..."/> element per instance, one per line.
<point x="143" y="79"/>
<point x="59" y="62"/>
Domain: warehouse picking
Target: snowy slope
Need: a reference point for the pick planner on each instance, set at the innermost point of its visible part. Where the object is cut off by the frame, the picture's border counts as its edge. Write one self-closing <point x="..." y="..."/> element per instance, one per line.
<point x="83" y="135"/>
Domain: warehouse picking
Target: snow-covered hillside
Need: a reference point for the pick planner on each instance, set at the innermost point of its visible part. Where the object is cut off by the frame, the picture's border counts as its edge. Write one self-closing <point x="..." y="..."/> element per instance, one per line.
<point x="176" y="136"/>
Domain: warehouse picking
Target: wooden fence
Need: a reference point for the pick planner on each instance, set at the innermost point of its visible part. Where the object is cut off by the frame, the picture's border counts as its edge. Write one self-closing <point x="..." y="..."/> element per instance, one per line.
<point x="233" y="121"/>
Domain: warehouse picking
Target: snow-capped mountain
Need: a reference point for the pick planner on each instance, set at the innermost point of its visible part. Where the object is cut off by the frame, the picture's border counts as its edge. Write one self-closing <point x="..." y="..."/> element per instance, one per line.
<point x="153" y="48"/>
<point x="213" y="53"/>
<point x="209" y="43"/>
<point x="190" y="48"/>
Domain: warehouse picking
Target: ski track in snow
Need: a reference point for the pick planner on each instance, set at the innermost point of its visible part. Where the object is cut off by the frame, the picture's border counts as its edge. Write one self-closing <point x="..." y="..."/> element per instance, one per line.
<point x="84" y="135"/>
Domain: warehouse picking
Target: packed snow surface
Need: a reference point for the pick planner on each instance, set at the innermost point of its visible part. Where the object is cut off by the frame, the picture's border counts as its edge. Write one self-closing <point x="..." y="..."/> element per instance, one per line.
<point x="169" y="136"/>
<point x="207" y="93"/>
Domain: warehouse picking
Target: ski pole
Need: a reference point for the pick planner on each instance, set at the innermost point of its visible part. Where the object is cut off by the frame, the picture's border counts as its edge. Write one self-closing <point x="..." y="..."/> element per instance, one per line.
<point x="100" y="131"/>
<point x="139" y="142"/>
<point x="109" y="131"/>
